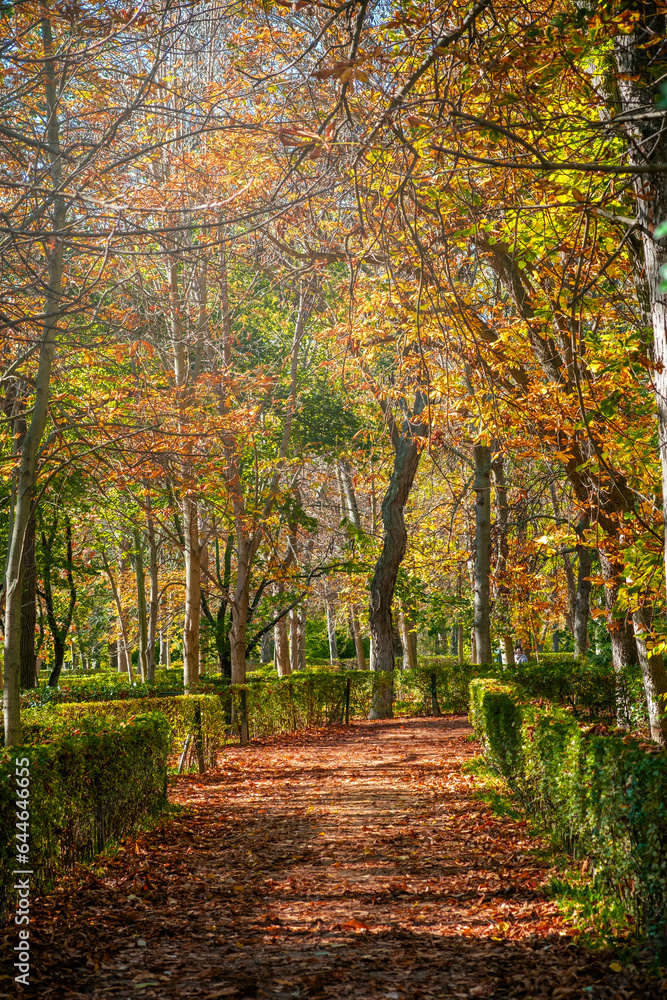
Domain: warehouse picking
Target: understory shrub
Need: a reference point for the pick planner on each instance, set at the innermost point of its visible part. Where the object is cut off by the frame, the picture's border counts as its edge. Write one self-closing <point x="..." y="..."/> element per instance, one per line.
<point x="87" y="784"/>
<point x="602" y="795"/>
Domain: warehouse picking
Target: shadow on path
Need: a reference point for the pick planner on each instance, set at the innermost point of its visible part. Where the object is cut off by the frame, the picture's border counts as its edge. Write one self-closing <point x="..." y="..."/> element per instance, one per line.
<point x="329" y="864"/>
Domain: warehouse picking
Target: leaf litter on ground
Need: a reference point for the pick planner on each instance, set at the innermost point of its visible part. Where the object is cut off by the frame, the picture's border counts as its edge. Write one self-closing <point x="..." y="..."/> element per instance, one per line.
<point x="332" y="863"/>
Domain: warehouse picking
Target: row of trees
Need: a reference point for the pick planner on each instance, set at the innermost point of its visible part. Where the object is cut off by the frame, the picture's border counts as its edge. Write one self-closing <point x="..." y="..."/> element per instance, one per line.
<point x="322" y="298"/>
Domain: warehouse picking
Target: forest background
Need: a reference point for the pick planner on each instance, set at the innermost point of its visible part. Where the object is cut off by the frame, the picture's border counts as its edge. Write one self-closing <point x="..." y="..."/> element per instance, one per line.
<point x="327" y="322"/>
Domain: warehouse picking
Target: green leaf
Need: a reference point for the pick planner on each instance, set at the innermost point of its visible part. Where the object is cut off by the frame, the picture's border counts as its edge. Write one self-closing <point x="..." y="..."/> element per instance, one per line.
<point x="660" y="231"/>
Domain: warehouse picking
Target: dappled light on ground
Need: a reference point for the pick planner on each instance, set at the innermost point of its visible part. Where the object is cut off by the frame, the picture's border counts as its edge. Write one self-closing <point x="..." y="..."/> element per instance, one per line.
<point x="333" y="863"/>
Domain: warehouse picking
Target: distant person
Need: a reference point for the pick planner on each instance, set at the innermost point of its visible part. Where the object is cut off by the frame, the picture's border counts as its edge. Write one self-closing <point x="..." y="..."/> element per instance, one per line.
<point x="519" y="654"/>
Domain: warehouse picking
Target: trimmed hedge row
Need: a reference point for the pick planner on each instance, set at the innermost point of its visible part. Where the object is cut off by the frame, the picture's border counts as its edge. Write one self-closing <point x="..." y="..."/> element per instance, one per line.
<point x="179" y="712"/>
<point x="101" y="687"/>
<point x="85" y="786"/>
<point x="602" y="796"/>
<point x="315" y="698"/>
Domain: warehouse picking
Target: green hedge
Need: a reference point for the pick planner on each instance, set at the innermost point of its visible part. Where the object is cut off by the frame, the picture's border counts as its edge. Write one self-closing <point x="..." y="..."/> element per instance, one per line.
<point x="178" y="710"/>
<point x="316" y="697"/>
<point x="101" y="687"/>
<point x="86" y="785"/>
<point x="602" y="796"/>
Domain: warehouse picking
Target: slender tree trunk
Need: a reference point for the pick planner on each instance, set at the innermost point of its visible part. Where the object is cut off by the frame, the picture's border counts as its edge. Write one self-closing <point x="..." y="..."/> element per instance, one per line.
<point x="302" y="634"/>
<point x="509" y="650"/>
<point x="482" y="608"/>
<point x="654" y="677"/>
<point x="265" y="648"/>
<point x="582" y="599"/>
<point x="502" y="591"/>
<point x="331" y="632"/>
<point x="623" y="646"/>
<point x="294" y="640"/>
<point x="192" y="616"/>
<point x="247" y="546"/>
<point x="358" y="640"/>
<point x="141" y="604"/>
<point x="460" y="641"/>
<point x="408" y="638"/>
<point x="29" y="609"/>
<point x="27" y="472"/>
<point x="153" y="611"/>
<point x="640" y="65"/>
<point x="240" y="605"/>
<point x="406" y="460"/>
<point x="282" y="642"/>
<point x="123" y="645"/>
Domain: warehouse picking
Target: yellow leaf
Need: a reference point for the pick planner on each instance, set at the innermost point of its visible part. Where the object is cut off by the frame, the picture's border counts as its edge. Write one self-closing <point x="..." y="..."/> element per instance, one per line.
<point x="615" y="967"/>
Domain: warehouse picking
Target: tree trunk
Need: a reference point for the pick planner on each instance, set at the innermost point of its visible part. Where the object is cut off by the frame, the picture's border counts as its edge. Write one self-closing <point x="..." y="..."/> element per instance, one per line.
<point x="240" y="605"/>
<point x="265" y="648"/>
<point x="654" y="676"/>
<point x="408" y="638"/>
<point x="192" y="615"/>
<point x="358" y="640"/>
<point x="58" y="660"/>
<point x="623" y="646"/>
<point x="27" y="472"/>
<point x="482" y="609"/>
<point x="460" y="641"/>
<point x="582" y="593"/>
<point x="29" y="609"/>
<point x="294" y="640"/>
<point x="406" y="460"/>
<point x="141" y="604"/>
<point x="331" y="632"/>
<point x="154" y="598"/>
<point x="124" y="659"/>
<point x="509" y="650"/>
<point x="281" y="641"/>
<point x="248" y="545"/>
<point x="640" y="68"/>
<point x="302" y="635"/>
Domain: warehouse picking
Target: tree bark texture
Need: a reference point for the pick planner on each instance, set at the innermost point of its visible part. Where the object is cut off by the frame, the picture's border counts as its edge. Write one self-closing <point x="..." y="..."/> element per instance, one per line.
<point x="621" y="633"/>
<point x="294" y="658"/>
<point x="408" y="637"/>
<point x="142" y="611"/>
<point x="192" y="616"/>
<point x="29" y="609"/>
<point x="582" y="599"/>
<point x="482" y="608"/>
<point x="358" y="639"/>
<point x="281" y="639"/>
<point x="27" y="472"/>
<point x="654" y="677"/>
<point x="59" y="631"/>
<point x="152" y="651"/>
<point x="407" y="451"/>
<point x="641" y="67"/>
<point x="331" y="633"/>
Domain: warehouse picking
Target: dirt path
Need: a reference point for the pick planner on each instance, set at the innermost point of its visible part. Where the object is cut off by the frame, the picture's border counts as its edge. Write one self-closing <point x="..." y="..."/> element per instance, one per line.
<point x="341" y="863"/>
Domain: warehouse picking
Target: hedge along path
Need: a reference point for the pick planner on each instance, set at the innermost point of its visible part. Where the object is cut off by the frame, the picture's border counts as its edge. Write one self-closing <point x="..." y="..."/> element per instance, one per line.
<point x="328" y="864"/>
